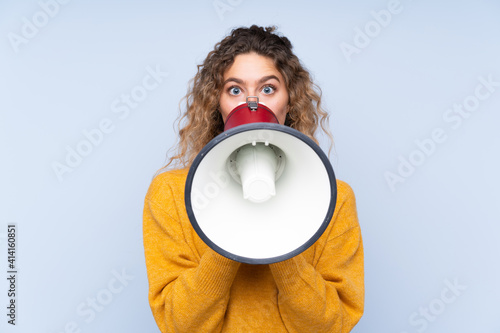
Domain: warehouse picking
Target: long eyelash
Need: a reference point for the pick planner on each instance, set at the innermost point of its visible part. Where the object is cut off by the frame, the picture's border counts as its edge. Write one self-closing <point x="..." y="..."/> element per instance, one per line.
<point x="271" y="86"/>
<point x="231" y="87"/>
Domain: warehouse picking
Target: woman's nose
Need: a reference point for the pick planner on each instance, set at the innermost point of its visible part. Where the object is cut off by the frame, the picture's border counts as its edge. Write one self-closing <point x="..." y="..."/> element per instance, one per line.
<point x="251" y="94"/>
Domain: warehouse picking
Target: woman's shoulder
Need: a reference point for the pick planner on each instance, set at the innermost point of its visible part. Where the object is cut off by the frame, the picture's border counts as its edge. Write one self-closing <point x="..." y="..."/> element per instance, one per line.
<point x="345" y="215"/>
<point x="167" y="181"/>
<point x="344" y="191"/>
<point x="173" y="175"/>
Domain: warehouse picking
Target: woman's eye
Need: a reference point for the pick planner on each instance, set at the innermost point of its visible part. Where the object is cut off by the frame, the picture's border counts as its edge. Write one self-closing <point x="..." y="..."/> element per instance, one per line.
<point x="234" y="91"/>
<point x="268" y="90"/>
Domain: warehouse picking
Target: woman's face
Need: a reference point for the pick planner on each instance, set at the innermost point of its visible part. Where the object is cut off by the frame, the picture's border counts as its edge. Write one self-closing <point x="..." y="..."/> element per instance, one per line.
<point x="254" y="75"/>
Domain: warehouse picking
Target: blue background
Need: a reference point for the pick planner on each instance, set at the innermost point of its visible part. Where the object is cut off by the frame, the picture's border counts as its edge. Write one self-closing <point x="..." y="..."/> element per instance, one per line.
<point x="430" y="236"/>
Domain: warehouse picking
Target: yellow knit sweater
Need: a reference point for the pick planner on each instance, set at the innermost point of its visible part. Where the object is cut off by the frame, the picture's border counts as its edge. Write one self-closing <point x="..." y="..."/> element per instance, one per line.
<point x="193" y="289"/>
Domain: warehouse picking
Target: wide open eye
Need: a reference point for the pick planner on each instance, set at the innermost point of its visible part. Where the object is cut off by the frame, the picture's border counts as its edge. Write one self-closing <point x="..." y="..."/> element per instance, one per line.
<point x="269" y="89"/>
<point x="234" y="91"/>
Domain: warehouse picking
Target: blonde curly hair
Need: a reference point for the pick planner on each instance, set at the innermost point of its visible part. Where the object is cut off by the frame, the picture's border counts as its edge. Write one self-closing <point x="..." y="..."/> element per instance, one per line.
<point x="202" y="120"/>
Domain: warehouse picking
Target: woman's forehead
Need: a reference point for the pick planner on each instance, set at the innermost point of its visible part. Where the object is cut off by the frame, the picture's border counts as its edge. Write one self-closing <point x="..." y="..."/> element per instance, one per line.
<point x="252" y="67"/>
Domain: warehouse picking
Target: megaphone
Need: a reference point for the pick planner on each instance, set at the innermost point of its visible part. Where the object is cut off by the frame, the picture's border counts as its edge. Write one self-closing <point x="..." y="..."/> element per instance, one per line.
<point x="260" y="192"/>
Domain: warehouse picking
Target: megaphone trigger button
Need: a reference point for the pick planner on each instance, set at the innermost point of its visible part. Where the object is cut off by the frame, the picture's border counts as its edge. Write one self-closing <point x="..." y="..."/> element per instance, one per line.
<point x="266" y="143"/>
<point x="254" y="143"/>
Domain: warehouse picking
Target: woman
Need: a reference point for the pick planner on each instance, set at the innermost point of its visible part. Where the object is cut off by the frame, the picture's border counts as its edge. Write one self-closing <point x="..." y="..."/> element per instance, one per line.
<point x="193" y="288"/>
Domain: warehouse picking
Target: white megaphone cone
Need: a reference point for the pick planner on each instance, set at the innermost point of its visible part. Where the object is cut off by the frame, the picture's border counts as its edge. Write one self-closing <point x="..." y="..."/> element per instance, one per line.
<point x="260" y="192"/>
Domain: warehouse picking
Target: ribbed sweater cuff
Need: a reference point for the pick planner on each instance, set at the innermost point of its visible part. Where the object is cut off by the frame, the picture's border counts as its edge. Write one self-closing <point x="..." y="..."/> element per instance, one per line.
<point x="288" y="274"/>
<point x="216" y="274"/>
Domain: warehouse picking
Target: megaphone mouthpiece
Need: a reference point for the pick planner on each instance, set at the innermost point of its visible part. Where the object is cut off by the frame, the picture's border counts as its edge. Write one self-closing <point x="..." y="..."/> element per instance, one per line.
<point x="250" y="112"/>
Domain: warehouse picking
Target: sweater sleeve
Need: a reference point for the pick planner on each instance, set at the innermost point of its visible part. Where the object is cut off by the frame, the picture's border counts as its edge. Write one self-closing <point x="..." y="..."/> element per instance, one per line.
<point x="186" y="293"/>
<point x="329" y="296"/>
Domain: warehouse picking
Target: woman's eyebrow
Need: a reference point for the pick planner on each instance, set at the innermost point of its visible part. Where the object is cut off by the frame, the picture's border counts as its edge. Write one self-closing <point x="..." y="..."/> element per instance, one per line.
<point x="269" y="77"/>
<point x="263" y="79"/>
<point x="233" y="79"/>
